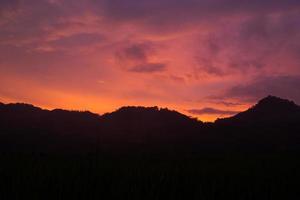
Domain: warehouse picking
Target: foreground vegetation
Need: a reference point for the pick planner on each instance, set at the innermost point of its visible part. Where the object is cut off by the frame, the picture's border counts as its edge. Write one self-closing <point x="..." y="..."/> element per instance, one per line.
<point x="143" y="177"/>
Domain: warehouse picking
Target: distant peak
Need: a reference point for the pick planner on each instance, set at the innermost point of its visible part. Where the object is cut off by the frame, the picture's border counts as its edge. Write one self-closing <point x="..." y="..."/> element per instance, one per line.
<point x="270" y="109"/>
<point x="22" y="106"/>
<point x="133" y="108"/>
<point x="273" y="101"/>
<point x="274" y="105"/>
<point x="153" y="113"/>
<point x="141" y="110"/>
<point x="273" y="98"/>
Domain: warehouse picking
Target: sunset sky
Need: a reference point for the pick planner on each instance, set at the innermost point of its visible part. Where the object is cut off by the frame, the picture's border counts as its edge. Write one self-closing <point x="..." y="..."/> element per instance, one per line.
<point x="204" y="58"/>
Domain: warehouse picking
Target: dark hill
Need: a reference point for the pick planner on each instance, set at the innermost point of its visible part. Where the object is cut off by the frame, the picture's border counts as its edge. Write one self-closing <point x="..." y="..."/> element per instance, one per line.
<point x="133" y="113"/>
<point x="273" y="123"/>
<point x="149" y="153"/>
<point x="270" y="110"/>
<point x="149" y="128"/>
<point x="27" y="128"/>
<point x="136" y="119"/>
<point x="24" y="127"/>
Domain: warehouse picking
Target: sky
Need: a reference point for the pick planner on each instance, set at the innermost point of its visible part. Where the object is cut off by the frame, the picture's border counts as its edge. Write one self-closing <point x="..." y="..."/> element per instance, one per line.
<point x="205" y="58"/>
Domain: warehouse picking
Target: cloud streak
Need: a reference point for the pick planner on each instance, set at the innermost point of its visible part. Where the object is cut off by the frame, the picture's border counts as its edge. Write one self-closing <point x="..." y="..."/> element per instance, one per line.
<point x="172" y="52"/>
<point x="211" y="111"/>
<point x="282" y="86"/>
<point x="149" y="68"/>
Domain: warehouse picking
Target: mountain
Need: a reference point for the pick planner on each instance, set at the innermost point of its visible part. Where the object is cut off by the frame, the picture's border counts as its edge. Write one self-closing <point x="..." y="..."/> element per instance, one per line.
<point x="149" y="129"/>
<point x="272" y="124"/>
<point x="269" y="110"/>
<point x="24" y="127"/>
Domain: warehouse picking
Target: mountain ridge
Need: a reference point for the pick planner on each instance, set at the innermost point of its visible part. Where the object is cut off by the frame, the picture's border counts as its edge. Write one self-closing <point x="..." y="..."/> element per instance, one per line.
<point x="267" y="110"/>
<point x="270" y="102"/>
<point x="149" y="129"/>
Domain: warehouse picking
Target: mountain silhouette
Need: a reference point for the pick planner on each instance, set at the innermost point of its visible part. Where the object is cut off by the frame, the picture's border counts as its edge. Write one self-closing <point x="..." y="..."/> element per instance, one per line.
<point x="150" y="153"/>
<point x="148" y="128"/>
<point x="273" y="123"/>
<point x="267" y="111"/>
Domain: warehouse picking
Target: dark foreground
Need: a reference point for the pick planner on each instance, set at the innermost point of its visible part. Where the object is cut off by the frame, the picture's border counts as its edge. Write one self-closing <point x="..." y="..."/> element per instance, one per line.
<point x="261" y="176"/>
<point x="150" y="153"/>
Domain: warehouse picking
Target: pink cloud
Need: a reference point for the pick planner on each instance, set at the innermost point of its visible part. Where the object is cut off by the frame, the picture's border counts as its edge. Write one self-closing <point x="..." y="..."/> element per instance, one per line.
<point x="177" y="52"/>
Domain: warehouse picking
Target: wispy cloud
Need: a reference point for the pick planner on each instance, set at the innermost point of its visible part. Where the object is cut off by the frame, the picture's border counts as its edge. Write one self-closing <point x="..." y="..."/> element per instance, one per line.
<point x="149" y="68"/>
<point x="173" y="52"/>
<point x="211" y="111"/>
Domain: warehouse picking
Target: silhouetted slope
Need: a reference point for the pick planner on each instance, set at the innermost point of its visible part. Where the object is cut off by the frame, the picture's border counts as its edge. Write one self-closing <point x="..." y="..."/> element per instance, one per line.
<point x="149" y="118"/>
<point x="24" y="127"/>
<point x="273" y="123"/>
<point x="149" y="153"/>
<point x="138" y="112"/>
<point x="145" y="128"/>
<point x="268" y="110"/>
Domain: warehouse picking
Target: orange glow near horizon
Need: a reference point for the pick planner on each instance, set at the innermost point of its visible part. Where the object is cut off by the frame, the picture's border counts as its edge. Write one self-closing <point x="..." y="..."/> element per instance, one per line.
<point x="203" y="59"/>
<point x="94" y="107"/>
<point x="57" y="99"/>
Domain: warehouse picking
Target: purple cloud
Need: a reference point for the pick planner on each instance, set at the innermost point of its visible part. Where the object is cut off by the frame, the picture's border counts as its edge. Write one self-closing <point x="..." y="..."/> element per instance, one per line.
<point x="222" y="39"/>
<point x="8" y="4"/>
<point x="137" y="52"/>
<point x="211" y="111"/>
<point x="149" y="68"/>
<point x="282" y="86"/>
<point x="168" y="15"/>
<point x="81" y="39"/>
<point x="251" y="45"/>
<point x="227" y="104"/>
